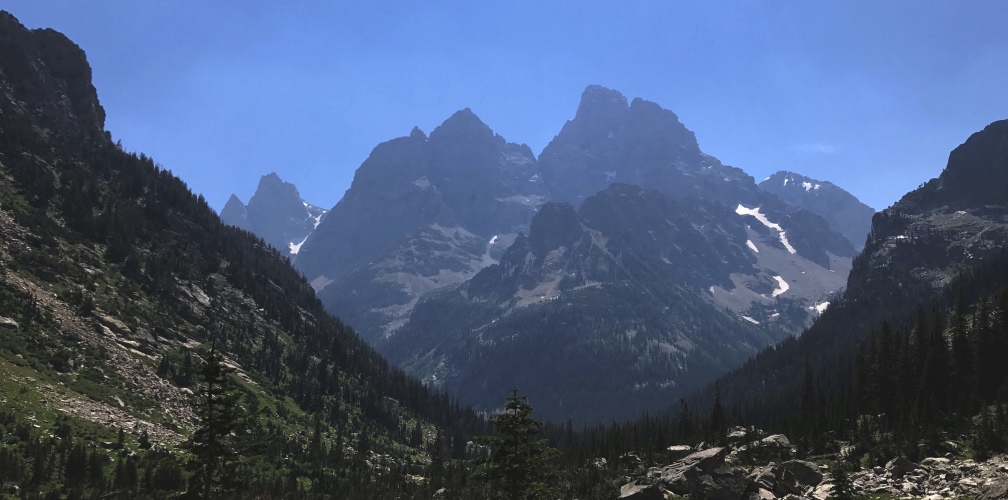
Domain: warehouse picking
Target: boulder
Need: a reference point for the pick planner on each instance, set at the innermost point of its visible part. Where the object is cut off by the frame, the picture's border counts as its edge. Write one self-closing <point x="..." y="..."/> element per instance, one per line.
<point x="899" y="466"/>
<point x="706" y="460"/>
<point x="764" y="477"/>
<point x="634" y="491"/>
<point x="935" y="463"/>
<point x="997" y="490"/>
<point x="677" y="477"/>
<point x="679" y="451"/>
<point x="760" y="494"/>
<point x="723" y="483"/>
<point x="775" y="447"/>
<point x="737" y="435"/>
<point x="8" y="323"/>
<point x="823" y="491"/>
<point x="800" y="471"/>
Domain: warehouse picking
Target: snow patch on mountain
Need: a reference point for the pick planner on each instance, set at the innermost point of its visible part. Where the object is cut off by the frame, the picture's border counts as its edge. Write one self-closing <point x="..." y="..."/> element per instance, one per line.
<point x="752" y="246"/>
<point x="782" y="286"/>
<point x="755" y="212"/>
<point x="296" y="247"/>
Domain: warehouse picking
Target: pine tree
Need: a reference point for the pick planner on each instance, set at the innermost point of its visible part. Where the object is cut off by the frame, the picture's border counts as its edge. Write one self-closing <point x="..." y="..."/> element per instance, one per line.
<point x="519" y="459"/>
<point x="843" y="487"/>
<point x="717" y="425"/>
<point x="213" y="443"/>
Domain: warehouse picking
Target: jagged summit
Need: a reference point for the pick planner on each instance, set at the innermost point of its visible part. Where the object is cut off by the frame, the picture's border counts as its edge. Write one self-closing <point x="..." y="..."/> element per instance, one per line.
<point x="639" y="143"/>
<point x="418" y="134"/>
<point x="274" y="189"/>
<point x="235" y="213"/>
<point x="276" y="213"/>
<point x="44" y="67"/>
<point x="419" y="215"/>
<point x="463" y="124"/>
<point x="600" y="104"/>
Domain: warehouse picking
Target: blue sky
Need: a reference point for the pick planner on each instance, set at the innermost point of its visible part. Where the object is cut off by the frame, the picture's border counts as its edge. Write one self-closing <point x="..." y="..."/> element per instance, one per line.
<point x="870" y="95"/>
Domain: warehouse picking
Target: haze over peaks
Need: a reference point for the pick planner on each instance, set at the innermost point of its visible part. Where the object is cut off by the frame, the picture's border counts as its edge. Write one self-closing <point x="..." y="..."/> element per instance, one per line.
<point x="276" y="213"/>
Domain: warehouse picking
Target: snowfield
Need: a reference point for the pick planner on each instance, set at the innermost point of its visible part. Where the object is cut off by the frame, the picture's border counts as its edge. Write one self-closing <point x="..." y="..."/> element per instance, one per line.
<point x="755" y="212"/>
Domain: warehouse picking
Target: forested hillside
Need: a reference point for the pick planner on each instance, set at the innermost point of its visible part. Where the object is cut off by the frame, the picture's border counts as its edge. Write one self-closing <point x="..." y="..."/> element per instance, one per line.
<point x="117" y="283"/>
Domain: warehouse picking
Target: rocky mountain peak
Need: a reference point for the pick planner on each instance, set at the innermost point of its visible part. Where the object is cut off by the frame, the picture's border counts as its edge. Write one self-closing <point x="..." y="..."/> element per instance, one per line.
<point x="639" y="143"/>
<point x="276" y="213"/>
<point x="61" y="92"/>
<point x="235" y="213"/>
<point x="417" y="134"/>
<point x="600" y="104"/>
<point x="555" y="225"/>
<point x="273" y="190"/>
<point x="462" y="125"/>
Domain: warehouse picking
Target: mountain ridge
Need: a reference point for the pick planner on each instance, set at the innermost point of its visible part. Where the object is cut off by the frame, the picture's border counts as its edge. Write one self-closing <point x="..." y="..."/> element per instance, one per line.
<point x="842" y="210"/>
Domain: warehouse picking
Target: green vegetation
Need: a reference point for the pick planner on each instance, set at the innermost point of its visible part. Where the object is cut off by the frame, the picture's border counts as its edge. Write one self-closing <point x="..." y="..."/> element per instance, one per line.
<point x="519" y="461"/>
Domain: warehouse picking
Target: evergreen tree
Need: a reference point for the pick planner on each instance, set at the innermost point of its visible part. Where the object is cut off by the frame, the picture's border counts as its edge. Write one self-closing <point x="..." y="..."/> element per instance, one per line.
<point x="213" y="442"/>
<point x="843" y="486"/>
<point x="717" y="425"/>
<point x="518" y="459"/>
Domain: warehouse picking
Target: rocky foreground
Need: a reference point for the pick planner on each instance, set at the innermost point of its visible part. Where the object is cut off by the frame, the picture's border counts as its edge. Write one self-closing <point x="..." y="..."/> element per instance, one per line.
<point x="718" y="474"/>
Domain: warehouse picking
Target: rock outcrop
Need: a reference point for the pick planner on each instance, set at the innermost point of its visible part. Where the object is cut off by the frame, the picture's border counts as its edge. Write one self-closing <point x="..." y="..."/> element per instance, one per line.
<point x="712" y="474"/>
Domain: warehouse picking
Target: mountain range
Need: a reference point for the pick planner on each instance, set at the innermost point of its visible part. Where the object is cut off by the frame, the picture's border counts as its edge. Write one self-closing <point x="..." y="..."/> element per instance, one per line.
<point x="407" y="255"/>
<point x="134" y="322"/>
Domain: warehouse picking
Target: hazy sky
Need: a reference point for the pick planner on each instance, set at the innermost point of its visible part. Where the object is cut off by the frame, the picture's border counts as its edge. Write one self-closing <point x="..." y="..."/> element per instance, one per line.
<point x="870" y="95"/>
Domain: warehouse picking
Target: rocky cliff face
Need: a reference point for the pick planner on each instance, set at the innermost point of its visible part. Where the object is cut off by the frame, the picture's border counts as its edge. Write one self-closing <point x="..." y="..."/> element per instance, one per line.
<point x="601" y="312"/>
<point x="452" y="200"/>
<point x="48" y="78"/>
<point x="638" y="143"/>
<point x="844" y="212"/>
<point x="276" y="213"/>
<point x="950" y="223"/>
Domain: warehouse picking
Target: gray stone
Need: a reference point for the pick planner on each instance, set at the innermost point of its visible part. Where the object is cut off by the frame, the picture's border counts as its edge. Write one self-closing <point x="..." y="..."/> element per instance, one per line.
<point x="765" y="477"/>
<point x="641" y="492"/>
<point x="997" y="490"/>
<point x="720" y="484"/>
<point x="935" y="462"/>
<point x="679" y="451"/>
<point x="911" y="488"/>
<point x="737" y="435"/>
<point x="899" y="466"/>
<point x="771" y="448"/>
<point x="806" y="473"/>
<point x="761" y="494"/>
<point x="679" y="476"/>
